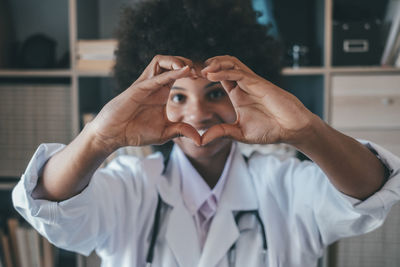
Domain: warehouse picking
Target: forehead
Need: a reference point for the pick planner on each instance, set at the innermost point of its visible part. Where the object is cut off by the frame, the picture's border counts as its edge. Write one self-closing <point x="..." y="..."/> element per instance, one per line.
<point x="193" y="84"/>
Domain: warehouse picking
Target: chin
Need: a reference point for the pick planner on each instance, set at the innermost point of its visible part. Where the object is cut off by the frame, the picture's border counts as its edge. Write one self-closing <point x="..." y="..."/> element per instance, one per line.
<point x="208" y="151"/>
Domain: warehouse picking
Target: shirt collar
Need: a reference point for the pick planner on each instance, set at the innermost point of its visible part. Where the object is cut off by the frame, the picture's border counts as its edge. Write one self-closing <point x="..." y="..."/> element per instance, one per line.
<point x="194" y="189"/>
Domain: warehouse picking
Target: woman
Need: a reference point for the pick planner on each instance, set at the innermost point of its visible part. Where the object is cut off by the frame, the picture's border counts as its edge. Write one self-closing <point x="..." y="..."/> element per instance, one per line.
<point x="206" y="205"/>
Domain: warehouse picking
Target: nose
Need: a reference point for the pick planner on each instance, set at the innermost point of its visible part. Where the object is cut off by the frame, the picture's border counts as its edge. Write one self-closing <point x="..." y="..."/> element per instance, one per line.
<point x="198" y="114"/>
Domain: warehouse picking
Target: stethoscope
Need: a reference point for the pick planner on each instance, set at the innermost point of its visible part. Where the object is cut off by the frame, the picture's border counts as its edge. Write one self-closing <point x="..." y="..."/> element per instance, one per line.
<point x="232" y="249"/>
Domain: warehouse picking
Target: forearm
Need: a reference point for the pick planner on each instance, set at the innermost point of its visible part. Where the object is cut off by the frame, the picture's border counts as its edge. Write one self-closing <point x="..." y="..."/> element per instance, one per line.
<point x="352" y="168"/>
<point x="69" y="171"/>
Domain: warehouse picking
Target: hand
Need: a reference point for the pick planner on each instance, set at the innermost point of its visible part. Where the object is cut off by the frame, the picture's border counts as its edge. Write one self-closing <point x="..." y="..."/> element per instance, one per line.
<point x="137" y="116"/>
<point x="265" y="113"/>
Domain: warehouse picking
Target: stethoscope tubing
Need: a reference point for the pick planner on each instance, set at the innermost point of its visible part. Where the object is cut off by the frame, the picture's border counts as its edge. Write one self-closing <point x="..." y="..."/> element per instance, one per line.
<point x="232" y="250"/>
<point x="150" y="253"/>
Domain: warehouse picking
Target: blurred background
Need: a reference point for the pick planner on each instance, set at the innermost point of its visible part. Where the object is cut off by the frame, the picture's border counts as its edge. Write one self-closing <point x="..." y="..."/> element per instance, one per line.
<point x="341" y="59"/>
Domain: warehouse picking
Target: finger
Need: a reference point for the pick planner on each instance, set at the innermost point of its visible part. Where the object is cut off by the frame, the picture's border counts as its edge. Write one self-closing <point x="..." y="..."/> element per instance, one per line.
<point x="220" y="58"/>
<point x="227" y="75"/>
<point x="148" y="86"/>
<point x="163" y="63"/>
<point x="186" y="60"/>
<point x="164" y="79"/>
<point x="166" y="63"/>
<point x="249" y="83"/>
<point x="181" y="129"/>
<point x="221" y="130"/>
<point x="218" y="65"/>
<point x="225" y="62"/>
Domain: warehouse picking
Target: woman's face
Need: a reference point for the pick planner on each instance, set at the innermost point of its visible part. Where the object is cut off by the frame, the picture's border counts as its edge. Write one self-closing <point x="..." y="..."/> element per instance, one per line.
<point x="202" y="104"/>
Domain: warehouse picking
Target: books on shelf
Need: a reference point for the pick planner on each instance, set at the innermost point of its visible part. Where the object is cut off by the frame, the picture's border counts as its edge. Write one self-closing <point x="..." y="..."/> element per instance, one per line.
<point x="24" y="247"/>
<point x="5" y="250"/>
<point x="97" y="49"/>
<point x="13" y="224"/>
<point x="397" y="62"/>
<point x="31" y="114"/>
<point x="96" y="55"/>
<point x="391" y="50"/>
<point x="87" y="65"/>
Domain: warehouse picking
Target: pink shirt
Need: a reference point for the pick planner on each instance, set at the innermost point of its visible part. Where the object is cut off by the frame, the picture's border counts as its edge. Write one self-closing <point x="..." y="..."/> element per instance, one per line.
<point x="199" y="198"/>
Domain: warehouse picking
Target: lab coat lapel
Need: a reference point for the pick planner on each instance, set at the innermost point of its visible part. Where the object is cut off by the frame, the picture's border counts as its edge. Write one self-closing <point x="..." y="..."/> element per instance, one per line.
<point x="239" y="194"/>
<point x="181" y="233"/>
<point x="182" y="237"/>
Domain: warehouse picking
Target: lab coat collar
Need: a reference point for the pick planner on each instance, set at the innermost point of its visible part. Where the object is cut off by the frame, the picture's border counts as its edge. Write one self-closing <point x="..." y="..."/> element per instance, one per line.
<point x="239" y="194"/>
<point x="181" y="233"/>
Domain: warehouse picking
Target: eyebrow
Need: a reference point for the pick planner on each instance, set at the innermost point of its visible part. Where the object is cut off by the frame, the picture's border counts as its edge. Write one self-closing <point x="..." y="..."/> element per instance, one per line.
<point x="211" y="84"/>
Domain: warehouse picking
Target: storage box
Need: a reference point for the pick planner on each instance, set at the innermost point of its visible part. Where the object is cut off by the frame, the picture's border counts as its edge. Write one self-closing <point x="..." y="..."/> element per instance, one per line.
<point x="357" y="43"/>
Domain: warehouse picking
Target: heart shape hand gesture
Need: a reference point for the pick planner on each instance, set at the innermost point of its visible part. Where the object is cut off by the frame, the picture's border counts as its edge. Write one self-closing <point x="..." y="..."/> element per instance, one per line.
<point x="265" y="113"/>
<point x="137" y="116"/>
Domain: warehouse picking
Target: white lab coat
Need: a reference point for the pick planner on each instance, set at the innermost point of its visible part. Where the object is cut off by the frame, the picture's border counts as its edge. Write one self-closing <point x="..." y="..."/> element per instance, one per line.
<point x="301" y="210"/>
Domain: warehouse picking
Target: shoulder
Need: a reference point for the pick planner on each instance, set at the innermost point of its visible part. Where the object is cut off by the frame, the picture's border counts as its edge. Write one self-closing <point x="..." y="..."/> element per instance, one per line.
<point x="134" y="163"/>
<point x="128" y="168"/>
<point x="272" y="163"/>
<point x="284" y="172"/>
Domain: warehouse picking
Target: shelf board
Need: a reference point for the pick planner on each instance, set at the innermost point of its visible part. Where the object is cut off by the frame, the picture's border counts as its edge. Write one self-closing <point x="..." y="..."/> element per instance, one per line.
<point x="364" y="69"/>
<point x="288" y="71"/>
<point x="338" y="70"/>
<point x="7" y="185"/>
<point x="94" y="73"/>
<point x="35" y="73"/>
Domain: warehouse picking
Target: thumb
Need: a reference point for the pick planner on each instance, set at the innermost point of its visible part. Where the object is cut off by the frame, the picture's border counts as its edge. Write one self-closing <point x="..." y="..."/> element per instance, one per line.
<point x="221" y="130"/>
<point x="176" y="129"/>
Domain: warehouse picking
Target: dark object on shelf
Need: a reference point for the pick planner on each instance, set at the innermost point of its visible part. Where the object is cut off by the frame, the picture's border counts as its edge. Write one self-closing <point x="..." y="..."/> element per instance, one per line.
<point x="298" y="56"/>
<point x="358" y="10"/>
<point x="357" y="43"/>
<point x="299" y="23"/>
<point x="64" y="61"/>
<point x="38" y="52"/>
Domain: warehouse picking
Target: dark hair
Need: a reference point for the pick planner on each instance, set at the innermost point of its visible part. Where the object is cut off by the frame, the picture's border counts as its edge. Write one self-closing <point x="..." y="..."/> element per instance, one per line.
<point x="196" y="29"/>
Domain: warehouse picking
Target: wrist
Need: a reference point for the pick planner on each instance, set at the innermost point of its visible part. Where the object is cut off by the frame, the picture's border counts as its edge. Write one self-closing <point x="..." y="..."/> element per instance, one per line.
<point x="96" y="143"/>
<point x="310" y="135"/>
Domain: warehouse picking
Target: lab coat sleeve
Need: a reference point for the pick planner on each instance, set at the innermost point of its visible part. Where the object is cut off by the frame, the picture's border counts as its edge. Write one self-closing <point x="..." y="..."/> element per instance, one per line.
<point x="85" y="221"/>
<point x="314" y="210"/>
<point x="353" y="216"/>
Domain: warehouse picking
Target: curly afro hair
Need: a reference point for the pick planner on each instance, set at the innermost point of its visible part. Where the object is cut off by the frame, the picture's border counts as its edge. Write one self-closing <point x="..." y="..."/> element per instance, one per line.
<point x="195" y="29"/>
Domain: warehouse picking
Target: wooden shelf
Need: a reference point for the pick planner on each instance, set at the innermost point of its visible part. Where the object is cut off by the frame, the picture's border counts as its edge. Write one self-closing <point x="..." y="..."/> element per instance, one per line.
<point x="94" y="73"/>
<point x="364" y="69"/>
<point x="7" y="185"/>
<point x="338" y="70"/>
<point x="35" y="73"/>
<point x="285" y="71"/>
<point x="303" y="71"/>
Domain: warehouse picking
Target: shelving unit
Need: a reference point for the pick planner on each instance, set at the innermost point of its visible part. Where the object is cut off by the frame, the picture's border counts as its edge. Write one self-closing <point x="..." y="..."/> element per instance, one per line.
<point x="95" y="19"/>
<point x="7" y="73"/>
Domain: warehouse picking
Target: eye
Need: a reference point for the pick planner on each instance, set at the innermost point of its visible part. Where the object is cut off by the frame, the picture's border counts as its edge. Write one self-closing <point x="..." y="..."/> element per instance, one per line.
<point x="178" y="98"/>
<point x="216" y="94"/>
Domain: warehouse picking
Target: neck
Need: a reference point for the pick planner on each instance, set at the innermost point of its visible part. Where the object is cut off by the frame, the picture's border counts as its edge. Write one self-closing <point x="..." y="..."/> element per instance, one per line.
<point x="211" y="168"/>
